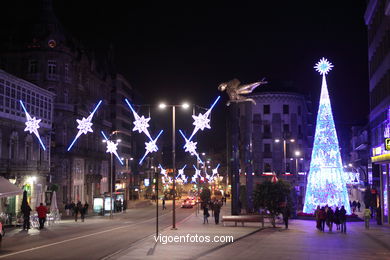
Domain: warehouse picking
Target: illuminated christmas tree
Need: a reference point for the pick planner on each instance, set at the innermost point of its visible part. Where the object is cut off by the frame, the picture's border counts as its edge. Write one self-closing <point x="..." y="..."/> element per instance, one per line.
<point x="326" y="185"/>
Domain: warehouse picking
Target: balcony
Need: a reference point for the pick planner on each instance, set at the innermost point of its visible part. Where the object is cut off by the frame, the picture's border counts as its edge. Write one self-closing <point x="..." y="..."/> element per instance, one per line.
<point x="23" y="166"/>
<point x="267" y="154"/>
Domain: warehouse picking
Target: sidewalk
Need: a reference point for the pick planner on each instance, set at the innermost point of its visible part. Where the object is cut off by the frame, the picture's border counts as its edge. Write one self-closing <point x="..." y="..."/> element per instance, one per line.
<point x="190" y="227"/>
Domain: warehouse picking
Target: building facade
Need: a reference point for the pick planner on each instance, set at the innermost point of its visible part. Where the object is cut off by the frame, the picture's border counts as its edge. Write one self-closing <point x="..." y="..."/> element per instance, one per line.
<point x="281" y="139"/>
<point x="22" y="159"/>
<point x="377" y="19"/>
<point x="42" y="52"/>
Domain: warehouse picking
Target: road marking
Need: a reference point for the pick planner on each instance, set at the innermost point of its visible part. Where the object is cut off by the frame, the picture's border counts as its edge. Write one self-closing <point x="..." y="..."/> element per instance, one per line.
<point x="75" y="238"/>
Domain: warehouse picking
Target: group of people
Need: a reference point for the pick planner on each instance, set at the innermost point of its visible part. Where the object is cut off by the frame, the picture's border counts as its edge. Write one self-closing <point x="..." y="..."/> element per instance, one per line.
<point x="26" y="210"/>
<point x="355" y="205"/>
<point x="77" y="209"/>
<point x="215" y="207"/>
<point x="326" y="215"/>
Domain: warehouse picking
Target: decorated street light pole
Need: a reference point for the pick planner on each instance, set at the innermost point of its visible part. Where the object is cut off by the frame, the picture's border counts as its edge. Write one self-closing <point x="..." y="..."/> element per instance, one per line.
<point x="185" y="106"/>
<point x="112" y="149"/>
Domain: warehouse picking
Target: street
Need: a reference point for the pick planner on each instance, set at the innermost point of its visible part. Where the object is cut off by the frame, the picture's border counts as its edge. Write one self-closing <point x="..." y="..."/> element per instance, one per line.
<point x="96" y="238"/>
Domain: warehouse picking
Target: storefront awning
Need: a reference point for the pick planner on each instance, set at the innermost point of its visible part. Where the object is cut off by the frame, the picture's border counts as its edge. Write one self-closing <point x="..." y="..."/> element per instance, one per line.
<point x="8" y="189"/>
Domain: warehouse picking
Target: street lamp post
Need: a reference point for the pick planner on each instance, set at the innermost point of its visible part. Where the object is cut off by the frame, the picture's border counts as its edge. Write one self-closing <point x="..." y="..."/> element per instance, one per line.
<point x="284" y="151"/>
<point x="297" y="154"/>
<point x="185" y="106"/>
<point x="107" y="140"/>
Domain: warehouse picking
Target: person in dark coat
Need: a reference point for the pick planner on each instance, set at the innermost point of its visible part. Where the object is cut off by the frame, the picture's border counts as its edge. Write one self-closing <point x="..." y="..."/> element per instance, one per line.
<point x="217" y="209"/>
<point x="379" y="215"/>
<point x="163" y="204"/>
<point x="72" y="208"/>
<point x="358" y="206"/>
<point x="77" y="210"/>
<point x="317" y="216"/>
<point x="26" y="216"/>
<point x="83" y="210"/>
<point x="322" y="217"/>
<point x="206" y="214"/>
<point x="343" y="219"/>
<point x="336" y="218"/>
<point x="329" y="218"/>
<point x="42" y="211"/>
<point x="286" y="215"/>
<point x="86" y="206"/>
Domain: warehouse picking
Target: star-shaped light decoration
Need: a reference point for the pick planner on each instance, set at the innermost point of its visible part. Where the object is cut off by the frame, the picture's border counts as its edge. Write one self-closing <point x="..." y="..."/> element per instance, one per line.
<point x="323" y="66"/>
<point x="141" y="124"/>
<point x="196" y="175"/>
<point x="112" y="147"/>
<point x="202" y="121"/>
<point x="32" y="125"/>
<point x="163" y="171"/>
<point x="181" y="173"/>
<point x="84" y="125"/>
<point x="190" y="147"/>
<point x="215" y="171"/>
<point x="151" y="147"/>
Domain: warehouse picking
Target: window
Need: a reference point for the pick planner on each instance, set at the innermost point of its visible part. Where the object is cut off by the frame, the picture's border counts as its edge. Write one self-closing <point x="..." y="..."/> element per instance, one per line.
<point x="299" y="110"/>
<point x="66" y="72"/>
<point x="13" y="148"/>
<point x="267" y="167"/>
<point x="32" y="66"/>
<point x="286" y="128"/>
<point x="266" y="109"/>
<point x="52" y="69"/>
<point x="299" y="129"/>
<point x="267" y="128"/>
<point x="286" y="109"/>
<point x="267" y="148"/>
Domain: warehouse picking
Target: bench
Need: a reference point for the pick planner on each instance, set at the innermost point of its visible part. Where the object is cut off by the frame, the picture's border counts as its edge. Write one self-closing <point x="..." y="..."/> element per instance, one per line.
<point x="244" y="218"/>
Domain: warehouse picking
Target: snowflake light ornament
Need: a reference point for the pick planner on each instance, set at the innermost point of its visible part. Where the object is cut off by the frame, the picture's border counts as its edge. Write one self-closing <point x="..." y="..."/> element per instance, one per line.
<point x="84" y="125"/>
<point x="32" y="125"/>
<point x="181" y="172"/>
<point x="215" y="171"/>
<point x="323" y="66"/>
<point x="202" y="121"/>
<point x="151" y="147"/>
<point x="190" y="147"/>
<point x="163" y="171"/>
<point x="112" y="147"/>
<point x="141" y="123"/>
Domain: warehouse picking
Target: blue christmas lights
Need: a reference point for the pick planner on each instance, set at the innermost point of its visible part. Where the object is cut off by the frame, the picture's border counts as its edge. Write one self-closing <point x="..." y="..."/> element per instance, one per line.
<point x="326" y="184"/>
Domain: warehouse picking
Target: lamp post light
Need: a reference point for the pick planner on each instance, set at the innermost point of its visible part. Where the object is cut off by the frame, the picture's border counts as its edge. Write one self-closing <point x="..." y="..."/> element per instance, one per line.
<point x="284" y="150"/>
<point x="297" y="154"/>
<point x="111" y="148"/>
<point x="163" y="106"/>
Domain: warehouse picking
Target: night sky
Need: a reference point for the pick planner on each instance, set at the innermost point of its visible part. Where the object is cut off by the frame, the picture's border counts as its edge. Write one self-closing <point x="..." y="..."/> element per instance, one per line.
<point x="183" y="51"/>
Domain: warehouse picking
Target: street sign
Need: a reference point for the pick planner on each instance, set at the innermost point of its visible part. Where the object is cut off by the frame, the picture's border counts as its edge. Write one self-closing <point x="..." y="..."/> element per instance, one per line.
<point x="387" y="144"/>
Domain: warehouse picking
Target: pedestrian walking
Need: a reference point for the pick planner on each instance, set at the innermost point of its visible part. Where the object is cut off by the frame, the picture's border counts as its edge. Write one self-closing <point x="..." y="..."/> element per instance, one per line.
<point x="379" y="215"/>
<point x="26" y="210"/>
<point x="206" y="214"/>
<point x="217" y="209"/>
<point x="67" y="209"/>
<point x="367" y="217"/>
<point x="322" y="216"/>
<point x="317" y="216"/>
<point x="72" y="208"/>
<point x="336" y="218"/>
<point x="83" y="210"/>
<point x="286" y="215"/>
<point x="330" y="218"/>
<point x="77" y="210"/>
<point x="359" y="205"/>
<point x="86" y="206"/>
<point x="354" y="205"/>
<point x="42" y="211"/>
<point x="163" y="203"/>
<point x="343" y="219"/>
